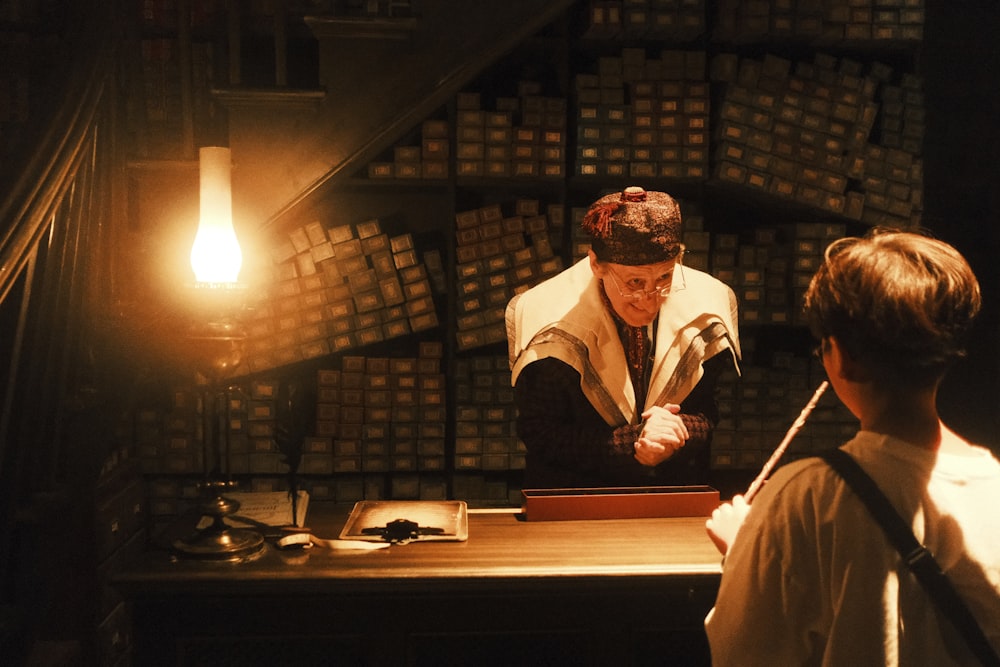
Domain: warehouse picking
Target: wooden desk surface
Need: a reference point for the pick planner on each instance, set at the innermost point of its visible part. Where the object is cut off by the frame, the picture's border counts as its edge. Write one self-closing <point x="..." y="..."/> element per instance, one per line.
<point x="591" y="593"/>
<point x="501" y="548"/>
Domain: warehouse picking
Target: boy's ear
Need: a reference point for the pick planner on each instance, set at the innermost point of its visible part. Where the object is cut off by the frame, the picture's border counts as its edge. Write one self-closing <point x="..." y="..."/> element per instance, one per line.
<point x="844" y="364"/>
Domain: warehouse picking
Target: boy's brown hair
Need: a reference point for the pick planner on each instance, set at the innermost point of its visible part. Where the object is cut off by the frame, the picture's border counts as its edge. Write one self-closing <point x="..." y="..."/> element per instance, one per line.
<point x="901" y="303"/>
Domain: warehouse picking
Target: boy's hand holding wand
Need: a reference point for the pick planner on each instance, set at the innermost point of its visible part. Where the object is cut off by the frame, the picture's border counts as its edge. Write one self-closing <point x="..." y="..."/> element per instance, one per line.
<point x="728" y="517"/>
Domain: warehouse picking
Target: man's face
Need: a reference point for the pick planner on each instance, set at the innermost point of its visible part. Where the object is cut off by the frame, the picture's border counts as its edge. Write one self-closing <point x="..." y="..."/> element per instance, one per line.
<point x="635" y="292"/>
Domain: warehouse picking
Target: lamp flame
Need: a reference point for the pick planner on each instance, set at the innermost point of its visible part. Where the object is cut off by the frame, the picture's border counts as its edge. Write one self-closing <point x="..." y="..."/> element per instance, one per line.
<point x="215" y="255"/>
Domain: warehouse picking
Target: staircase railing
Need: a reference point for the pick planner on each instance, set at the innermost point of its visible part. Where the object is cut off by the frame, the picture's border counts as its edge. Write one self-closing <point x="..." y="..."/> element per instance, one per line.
<point x="57" y="224"/>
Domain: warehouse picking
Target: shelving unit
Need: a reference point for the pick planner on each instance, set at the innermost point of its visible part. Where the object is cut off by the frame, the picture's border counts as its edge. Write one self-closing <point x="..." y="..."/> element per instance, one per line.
<point x="777" y="132"/>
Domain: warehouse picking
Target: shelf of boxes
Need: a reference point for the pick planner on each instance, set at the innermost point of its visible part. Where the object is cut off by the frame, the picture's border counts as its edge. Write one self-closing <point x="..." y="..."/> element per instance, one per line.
<point x="381" y="429"/>
<point x="522" y="136"/>
<point x="428" y="160"/>
<point x="762" y="418"/>
<point x="674" y="20"/>
<point x="804" y="133"/>
<point x="644" y="117"/>
<point x="178" y="445"/>
<point x="757" y="411"/>
<point x="486" y="442"/>
<point x="836" y="138"/>
<point x="172" y="441"/>
<point x="500" y="253"/>
<point x="339" y="288"/>
<point x="819" y="23"/>
<point x="383" y="418"/>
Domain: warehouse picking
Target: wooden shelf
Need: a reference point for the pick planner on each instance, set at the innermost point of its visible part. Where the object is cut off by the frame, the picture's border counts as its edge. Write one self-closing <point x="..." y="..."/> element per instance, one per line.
<point x="289" y="98"/>
<point x="324" y="27"/>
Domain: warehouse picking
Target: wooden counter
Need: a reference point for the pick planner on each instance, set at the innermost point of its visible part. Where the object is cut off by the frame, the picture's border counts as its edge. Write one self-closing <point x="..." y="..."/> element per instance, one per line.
<point x="603" y="592"/>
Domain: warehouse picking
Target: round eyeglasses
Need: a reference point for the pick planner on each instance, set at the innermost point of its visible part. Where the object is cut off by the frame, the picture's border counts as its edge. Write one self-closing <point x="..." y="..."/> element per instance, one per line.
<point x="663" y="291"/>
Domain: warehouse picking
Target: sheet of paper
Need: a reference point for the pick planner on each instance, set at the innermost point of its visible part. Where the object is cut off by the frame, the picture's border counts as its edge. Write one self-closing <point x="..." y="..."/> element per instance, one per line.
<point x="267" y="508"/>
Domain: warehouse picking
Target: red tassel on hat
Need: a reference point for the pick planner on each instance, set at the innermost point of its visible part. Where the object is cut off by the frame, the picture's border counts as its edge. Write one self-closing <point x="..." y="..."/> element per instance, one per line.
<point x="598" y="219"/>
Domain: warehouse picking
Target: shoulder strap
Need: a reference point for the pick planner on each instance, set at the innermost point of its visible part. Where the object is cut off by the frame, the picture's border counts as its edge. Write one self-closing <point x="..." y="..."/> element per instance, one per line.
<point x="920" y="561"/>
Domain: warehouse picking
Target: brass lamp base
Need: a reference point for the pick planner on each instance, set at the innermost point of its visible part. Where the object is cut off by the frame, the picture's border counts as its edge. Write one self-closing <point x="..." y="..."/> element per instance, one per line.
<point x="219" y="541"/>
<point x="229" y="544"/>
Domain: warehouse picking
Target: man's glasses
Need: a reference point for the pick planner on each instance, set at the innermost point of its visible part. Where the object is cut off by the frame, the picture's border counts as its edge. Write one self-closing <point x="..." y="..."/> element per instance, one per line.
<point x="662" y="291"/>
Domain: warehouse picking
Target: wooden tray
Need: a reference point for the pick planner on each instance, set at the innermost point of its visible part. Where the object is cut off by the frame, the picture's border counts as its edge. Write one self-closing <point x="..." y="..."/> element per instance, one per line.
<point x="448" y="519"/>
<point x="619" y="502"/>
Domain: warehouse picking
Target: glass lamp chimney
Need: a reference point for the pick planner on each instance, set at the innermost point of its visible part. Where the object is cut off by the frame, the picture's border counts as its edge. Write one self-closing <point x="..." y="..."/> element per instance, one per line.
<point x="215" y="255"/>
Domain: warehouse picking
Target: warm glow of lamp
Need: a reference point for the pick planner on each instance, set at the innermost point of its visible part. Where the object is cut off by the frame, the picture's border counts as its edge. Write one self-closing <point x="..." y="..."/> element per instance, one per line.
<point x="215" y="255"/>
<point x="215" y="342"/>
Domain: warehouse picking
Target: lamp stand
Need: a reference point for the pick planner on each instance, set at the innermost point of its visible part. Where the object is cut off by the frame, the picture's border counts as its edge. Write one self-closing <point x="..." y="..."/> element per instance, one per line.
<point x="218" y="346"/>
<point x="219" y="541"/>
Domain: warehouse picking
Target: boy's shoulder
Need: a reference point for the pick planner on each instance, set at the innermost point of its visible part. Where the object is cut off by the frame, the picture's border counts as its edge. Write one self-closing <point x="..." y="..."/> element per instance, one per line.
<point x="804" y="469"/>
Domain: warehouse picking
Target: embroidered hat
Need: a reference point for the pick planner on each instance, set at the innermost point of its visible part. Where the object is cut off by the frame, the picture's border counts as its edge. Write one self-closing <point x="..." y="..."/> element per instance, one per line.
<point x="634" y="227"/>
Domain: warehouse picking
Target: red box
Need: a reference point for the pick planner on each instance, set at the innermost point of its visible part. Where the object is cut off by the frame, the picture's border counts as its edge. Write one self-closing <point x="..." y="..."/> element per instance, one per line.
<point x="619" y="503"/>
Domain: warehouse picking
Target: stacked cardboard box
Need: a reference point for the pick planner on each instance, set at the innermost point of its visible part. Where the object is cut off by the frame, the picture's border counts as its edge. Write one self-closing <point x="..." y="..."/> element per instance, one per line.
<point x="807" y="135"/>
<point x="428" y="160"/>
<point x="819" y="22"/>
<point x="770" y="270"/>
<point x="697" y="240"/>
<point x="251" y="417"/>
<point x="499" y="254"/>
<point x="757" y="411"/>
<point x="522" y="136"/>
<point x="810" y="240"/>
<point x="676" y="20"/>
<point x="644" y="117"/>
<point x="385" y="417"/>
<point x="487" y="448"/>
<point x="485" y="426"/>
<point x="225" y="431"/>
<point x="170" y="439"/>
<point x="337" y="289"/>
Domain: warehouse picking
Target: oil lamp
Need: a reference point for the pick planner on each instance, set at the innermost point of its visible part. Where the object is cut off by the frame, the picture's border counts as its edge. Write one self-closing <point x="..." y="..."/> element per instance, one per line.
<point x="215" y="343"/>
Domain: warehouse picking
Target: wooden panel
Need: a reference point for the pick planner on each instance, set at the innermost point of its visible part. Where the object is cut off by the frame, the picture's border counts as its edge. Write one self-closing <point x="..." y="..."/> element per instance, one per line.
<point x="631" y="591"/>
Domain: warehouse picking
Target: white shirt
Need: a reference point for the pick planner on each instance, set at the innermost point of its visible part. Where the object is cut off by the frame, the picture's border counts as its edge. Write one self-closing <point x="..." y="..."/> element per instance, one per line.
<point x="811" y="579"/>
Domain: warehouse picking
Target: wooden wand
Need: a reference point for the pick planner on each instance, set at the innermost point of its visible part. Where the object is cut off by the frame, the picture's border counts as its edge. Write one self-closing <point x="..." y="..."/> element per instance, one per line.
<point x="797" y="425"/>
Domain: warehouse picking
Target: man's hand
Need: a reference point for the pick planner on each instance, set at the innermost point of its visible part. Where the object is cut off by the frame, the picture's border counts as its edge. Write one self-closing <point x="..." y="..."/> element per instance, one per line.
<point x="663" y="433"/>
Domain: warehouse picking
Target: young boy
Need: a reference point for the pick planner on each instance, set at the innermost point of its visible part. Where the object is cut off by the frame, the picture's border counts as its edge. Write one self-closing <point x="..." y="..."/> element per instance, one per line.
<point x="810" y="578"/>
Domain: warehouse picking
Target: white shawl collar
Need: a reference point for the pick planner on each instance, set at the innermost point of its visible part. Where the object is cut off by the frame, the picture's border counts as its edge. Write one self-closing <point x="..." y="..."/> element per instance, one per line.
<point x="565" y="317"/>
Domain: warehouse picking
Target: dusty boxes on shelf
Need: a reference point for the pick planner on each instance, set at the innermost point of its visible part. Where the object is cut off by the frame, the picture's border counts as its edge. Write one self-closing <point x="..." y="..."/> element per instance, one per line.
<point x="499" y="254"/>
<point x="338" y="289"/>
<point x="805" y="132"/>
<point x="644" y="117"/>
<point x="384" y="415"/>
